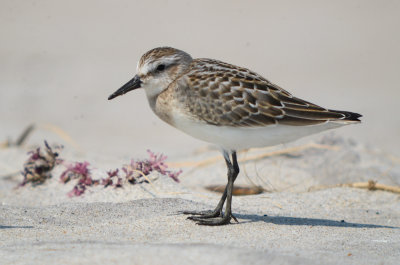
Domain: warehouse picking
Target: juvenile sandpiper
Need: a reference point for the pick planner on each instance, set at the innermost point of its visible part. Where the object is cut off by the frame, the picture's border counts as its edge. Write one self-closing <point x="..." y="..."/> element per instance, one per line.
<point x="226" y="105"/>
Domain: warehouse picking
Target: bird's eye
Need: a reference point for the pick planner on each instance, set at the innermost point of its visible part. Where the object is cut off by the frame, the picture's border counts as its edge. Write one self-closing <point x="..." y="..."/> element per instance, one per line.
<point x="160" y="67"/>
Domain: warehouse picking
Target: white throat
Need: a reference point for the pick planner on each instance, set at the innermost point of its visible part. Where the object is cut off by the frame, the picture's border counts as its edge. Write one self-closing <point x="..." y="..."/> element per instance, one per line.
<point x="153" y="90"/>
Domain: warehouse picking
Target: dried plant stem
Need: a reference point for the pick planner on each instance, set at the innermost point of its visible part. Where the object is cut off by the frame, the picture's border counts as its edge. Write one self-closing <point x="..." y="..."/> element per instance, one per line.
<point x="238" y="190"/>
<point x="10" y="175"/>
<point x="61" y="133"/>
<point x="146" y="178"/>
<point x="395" y="159"/>
<point x="154" y="187"/>
<point x="28" y="131"/>
<point x="289" y="151"/>
<point x="215" y="159"/>
<point x="22" y="138"/>
<point x="370" y="185"/>
<point x="4" y="144"/>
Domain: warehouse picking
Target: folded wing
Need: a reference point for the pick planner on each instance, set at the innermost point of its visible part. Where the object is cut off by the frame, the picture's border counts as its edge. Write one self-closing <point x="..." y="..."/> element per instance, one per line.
<point x="227" y="95"/>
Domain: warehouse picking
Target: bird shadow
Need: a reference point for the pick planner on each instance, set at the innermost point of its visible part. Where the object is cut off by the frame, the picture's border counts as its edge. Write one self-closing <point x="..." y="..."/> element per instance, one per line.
<point x="283" y="220"/>
<point x="14" y="226"/>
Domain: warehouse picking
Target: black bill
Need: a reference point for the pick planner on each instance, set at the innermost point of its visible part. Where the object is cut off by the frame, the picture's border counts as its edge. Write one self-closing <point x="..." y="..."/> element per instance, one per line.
<point x="131" y="85"/>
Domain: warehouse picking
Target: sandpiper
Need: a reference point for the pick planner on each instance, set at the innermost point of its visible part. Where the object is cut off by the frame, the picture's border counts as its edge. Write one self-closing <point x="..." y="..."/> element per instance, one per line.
<point x="226" y="105"/>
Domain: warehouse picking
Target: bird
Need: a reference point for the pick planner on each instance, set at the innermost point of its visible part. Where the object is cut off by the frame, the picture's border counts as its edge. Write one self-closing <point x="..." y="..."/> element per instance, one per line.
<point x="229" y="106"/>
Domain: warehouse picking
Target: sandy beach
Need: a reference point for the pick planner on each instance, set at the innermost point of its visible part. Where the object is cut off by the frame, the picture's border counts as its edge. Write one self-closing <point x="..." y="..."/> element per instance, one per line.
<point x="321" y="201"/>
<point x="303" y="217"/>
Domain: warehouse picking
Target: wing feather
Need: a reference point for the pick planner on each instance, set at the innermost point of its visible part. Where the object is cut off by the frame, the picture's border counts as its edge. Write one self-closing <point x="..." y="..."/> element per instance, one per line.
<point x="226" y="95"/>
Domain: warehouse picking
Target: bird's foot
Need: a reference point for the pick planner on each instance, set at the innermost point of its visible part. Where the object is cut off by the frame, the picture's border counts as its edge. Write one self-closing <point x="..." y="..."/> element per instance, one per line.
<point x="215" y="221"/>
<point x="210" y="217"/>
<point x="203" y="214"/>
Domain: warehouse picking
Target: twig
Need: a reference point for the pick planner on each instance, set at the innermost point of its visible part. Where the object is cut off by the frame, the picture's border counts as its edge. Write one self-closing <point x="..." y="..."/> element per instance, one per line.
<point x="215" y="159"/>
<point x="289" y="151"/>
<point x="49" y="127"/>
<point x="4" y="144"/>
<point x="370" y="185"/>
<point x="146" y="178"/>
<point x="237" y="190"/>
<point x="10" y="175"/>
<point x="61" y="133"/>
<point x="247" y="175"/>
<point x="22" y="138"/>
<point x="154" y="187"/>
<point x="395" y="159"/>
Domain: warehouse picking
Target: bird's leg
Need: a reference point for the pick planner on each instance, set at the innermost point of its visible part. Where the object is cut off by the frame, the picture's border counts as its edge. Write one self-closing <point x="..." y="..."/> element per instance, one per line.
<point x="233" y="171"/>
<point x="218" y="210"/>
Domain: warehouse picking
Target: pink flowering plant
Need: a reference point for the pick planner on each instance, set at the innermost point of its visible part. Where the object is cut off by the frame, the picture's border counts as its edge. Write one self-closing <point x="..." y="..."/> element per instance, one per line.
<point x="80" y="172"/>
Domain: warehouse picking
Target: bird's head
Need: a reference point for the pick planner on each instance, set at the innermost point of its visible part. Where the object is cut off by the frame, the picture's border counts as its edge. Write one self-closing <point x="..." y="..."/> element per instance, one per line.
<point x="156" y="70"/>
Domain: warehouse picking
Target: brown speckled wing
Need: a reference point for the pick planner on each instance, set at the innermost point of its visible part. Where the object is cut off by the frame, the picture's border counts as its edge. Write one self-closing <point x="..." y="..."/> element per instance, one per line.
<point x="226" y="95"/>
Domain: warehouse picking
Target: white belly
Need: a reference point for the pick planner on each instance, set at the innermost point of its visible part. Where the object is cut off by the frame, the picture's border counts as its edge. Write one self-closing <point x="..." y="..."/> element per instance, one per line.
<point x="237" y="138"/>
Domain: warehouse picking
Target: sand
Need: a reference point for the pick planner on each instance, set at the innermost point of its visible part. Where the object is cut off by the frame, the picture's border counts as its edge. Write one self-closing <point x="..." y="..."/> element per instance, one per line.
<point x="311" y="222"/>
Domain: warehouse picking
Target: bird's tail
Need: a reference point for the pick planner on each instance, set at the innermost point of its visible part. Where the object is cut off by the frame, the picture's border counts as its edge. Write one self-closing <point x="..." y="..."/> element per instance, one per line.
<point x="348" y="116"/>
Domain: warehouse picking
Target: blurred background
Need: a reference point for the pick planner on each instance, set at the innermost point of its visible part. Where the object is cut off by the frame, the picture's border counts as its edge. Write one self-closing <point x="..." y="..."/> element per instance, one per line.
<point x="60" y="60"/>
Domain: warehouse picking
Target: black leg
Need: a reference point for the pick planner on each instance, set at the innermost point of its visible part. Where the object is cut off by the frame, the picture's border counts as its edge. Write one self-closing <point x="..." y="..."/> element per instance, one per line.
<point x="216" y="217"/>
<point x="211" y="213"/>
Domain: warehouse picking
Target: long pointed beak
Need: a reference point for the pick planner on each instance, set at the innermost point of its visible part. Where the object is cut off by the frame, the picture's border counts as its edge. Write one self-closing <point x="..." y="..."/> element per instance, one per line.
<point x="131" y="85"/>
